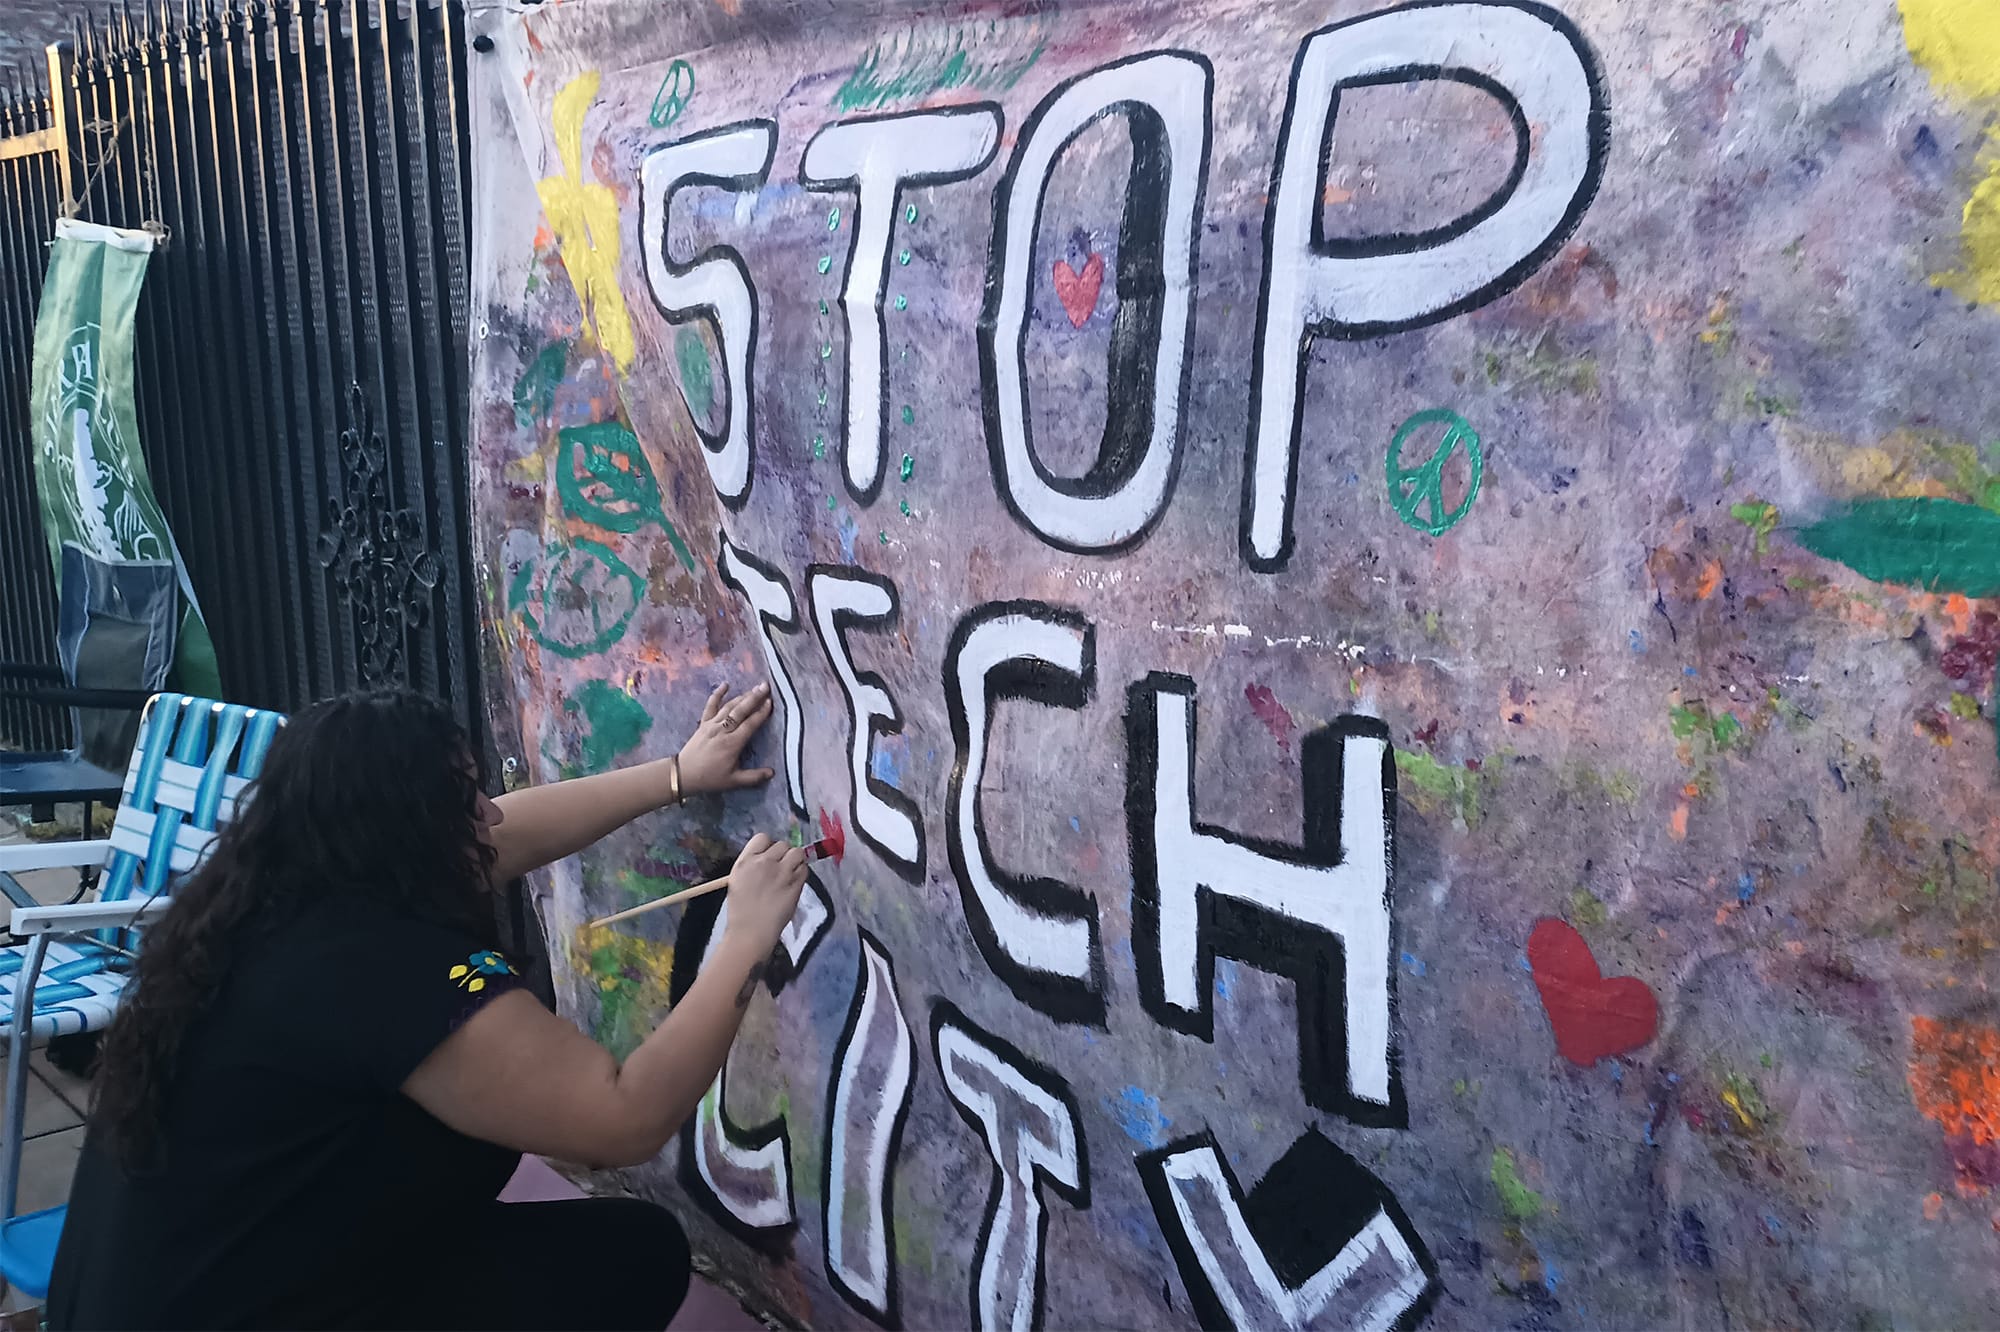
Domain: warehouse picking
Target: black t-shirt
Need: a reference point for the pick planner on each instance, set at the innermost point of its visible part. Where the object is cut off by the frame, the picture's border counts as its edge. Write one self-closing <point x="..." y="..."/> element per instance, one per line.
<point x="294" y="1183"/>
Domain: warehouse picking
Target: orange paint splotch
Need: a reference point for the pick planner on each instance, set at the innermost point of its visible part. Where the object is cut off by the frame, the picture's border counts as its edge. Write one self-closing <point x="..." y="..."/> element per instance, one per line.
<point x="1691" y="791"/>
<point x="1711" y="578"/>
<point x="1955" y="1076"/>
<point x="1933" y="1206"/>
<point x="1678" y="824"/>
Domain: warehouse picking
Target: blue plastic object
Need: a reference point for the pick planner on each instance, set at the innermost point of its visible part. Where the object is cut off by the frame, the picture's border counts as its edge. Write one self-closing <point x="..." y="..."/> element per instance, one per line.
<point x="28" y="1249"/>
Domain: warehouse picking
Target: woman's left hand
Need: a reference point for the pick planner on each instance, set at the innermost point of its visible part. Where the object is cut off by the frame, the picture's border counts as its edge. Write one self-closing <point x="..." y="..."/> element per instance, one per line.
<point x="710" y="758"/>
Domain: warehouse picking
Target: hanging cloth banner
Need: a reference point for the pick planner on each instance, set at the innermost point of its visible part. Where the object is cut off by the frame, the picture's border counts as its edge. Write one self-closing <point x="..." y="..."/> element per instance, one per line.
<point x="96" y="494"/>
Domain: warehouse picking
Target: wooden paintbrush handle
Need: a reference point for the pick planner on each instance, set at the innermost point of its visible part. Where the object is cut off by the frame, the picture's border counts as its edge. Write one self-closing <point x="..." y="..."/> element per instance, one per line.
<point x="817" y="851"/>
<point x="683" y="895"/>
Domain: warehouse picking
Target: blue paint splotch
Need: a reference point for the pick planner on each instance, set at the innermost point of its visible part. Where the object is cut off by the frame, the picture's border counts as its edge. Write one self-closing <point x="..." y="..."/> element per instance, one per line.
<point x="1225" y="977"/>
<point x="1746" y="887"/>
<point x="1138" y="1114"/>
<point x="848" y="531"/>
<point x="885" y="767"/>
<point x="1415" y="964"/>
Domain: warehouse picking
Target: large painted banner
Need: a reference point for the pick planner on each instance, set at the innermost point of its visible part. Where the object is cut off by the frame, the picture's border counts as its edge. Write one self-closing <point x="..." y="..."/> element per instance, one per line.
<point x="1397" y="601"/>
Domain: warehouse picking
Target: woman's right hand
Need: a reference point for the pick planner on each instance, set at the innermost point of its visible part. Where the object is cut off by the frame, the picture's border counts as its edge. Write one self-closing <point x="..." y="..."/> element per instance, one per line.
<point x="764" y="890"/>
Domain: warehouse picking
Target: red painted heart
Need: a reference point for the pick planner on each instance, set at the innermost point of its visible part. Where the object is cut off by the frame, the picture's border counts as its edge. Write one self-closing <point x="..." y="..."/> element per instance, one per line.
<point x="1592" y="1017"/>
<point x="1078" y="291"/>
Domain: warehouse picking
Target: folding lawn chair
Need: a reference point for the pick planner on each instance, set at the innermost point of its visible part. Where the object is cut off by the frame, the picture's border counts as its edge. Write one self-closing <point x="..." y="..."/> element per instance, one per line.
<point x="192" y="762"/>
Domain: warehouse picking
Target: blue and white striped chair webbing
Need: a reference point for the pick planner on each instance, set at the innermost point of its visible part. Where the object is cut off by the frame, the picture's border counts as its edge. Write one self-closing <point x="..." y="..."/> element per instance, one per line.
<point x="179" y="789"/>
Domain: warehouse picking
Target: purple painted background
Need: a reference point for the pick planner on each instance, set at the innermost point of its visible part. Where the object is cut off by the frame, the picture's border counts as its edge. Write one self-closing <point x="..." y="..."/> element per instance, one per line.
<point x="1631" y="713"/>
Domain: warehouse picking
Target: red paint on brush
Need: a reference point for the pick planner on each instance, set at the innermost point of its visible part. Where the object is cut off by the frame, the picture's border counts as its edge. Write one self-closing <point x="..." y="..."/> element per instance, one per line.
<point x="1592" y="1016"/>
<point x="832" y="843"/>
<point x="1272" y="713"/>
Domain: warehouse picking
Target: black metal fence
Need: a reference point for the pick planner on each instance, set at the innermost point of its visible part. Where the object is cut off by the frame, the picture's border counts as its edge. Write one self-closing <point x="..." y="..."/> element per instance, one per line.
<point x="301" y="372"/>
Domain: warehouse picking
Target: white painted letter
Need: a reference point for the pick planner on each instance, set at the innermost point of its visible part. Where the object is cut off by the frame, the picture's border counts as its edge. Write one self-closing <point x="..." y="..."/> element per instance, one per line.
<point x="866" y="1106"/>
<point x="1318" y="913"/>
<point x="747" y="1173"/>
<point x="877" y="157"/>
<point x="844" y="598"/>
<point x="1293" y="1254"/>
<point x="771" y="607"/>
<point x="1038" y="934"/>
<point x="1164" y="98"/>
<point x="1538" y="66"/>
<point x="1029" y="1123"/>
<point x="716" y="286"/>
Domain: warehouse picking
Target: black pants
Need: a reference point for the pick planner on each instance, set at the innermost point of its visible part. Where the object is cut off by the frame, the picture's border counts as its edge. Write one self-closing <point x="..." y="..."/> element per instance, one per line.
<point x="599" y="1263"/>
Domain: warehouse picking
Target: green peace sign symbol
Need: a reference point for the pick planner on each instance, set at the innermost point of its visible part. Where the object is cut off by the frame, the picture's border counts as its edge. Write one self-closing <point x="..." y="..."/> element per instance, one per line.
<point x="672" y="98"/>
<point x="1416" y="489"/>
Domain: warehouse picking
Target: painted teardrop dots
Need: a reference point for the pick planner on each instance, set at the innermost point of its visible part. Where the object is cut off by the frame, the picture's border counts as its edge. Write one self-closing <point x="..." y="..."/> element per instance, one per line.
<point x="910" y="213"/>
<point x="819" y="446"/>
<point x="909" y="467"/>
<point x="903" y="258"/>
<point x="905" y="507"/>
<point x="902" y="302"/>
<point x="909" y="415"/>
<point x="826" y="263"/>
<point x="833" y="220"/>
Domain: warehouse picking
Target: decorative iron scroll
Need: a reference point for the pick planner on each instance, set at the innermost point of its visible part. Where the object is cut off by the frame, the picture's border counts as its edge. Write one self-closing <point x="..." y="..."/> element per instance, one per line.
<point x="377" y="554"/>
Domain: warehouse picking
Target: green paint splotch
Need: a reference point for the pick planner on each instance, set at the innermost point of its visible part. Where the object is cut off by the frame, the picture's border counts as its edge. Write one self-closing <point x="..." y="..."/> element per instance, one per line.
<point x="1939" y="545"/>
<point x="1693" y="721"/>
<point x="1520" y="1202"/>
<point x="617" y="722"/>
<point x="1760" y="517"/>
<point x="697" y="379"/>
<point x="535" y="390"/>
<point x="990" y="57"/>
<point x="1435" y="786"/>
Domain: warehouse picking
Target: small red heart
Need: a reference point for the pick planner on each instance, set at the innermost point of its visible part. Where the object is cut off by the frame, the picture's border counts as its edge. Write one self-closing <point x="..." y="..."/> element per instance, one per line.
<point x="1592" y="1017"/>
<point x="1078" y="291"/>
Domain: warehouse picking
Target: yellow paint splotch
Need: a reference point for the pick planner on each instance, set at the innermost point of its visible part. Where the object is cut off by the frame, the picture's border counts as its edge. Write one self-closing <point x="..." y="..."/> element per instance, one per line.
<point x="1979" y="231"/>
<point x="584" y="216"/>
<point x="1957" y="42"/>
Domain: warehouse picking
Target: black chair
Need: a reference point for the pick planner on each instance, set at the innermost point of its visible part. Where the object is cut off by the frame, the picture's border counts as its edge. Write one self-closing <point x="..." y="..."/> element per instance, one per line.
<point x="115" y="636"/>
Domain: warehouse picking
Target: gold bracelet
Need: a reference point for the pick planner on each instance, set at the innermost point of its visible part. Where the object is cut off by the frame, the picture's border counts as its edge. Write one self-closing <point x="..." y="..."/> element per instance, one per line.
<point x="674" y="777"/>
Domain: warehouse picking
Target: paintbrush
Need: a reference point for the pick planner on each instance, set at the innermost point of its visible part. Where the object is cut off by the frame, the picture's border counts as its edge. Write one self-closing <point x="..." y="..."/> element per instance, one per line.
<point x="832" y="845"/>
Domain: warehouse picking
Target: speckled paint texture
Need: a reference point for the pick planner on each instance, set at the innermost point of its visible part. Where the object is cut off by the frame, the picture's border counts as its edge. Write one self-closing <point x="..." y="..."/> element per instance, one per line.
<point x="1528" y="863"/>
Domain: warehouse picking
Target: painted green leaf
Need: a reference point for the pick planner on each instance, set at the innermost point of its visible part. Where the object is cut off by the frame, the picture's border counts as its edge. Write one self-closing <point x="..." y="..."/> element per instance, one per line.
<point x="616" y="489"/>
<point x="1937" y="544"/>
<point x="605" y="479"/>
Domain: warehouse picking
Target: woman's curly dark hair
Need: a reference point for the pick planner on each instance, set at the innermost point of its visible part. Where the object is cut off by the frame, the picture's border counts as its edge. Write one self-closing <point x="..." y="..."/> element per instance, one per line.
<point x="371" y="797"/>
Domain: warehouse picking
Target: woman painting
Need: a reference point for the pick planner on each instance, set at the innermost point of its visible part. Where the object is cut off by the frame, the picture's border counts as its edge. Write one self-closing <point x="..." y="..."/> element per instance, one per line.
<point x="323" y="1072"/>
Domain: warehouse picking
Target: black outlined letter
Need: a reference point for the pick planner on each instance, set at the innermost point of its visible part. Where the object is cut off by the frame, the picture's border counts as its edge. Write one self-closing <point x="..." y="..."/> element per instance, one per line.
<point x="1526" y="55"/>
<point x="1028" y="1119"/>
<point x="877" y="157"/>
<point x="866" y="1104"/>
<point x="716" y="286"/>
<point x="743" y="1176"/>
<point x="1318" y="913"/>
<point x="1039" y="935"/>
<point x="1287" y="1255"/>
<point x="1164" y="97"/>
<point x="772" y="609"/>
<point x="886" y="819"/>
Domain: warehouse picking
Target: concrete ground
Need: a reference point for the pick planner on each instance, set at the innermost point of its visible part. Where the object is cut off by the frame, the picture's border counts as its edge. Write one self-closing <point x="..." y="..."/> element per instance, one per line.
<point x="57" y="1103"/>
